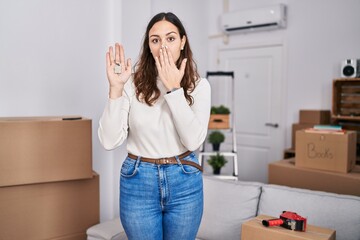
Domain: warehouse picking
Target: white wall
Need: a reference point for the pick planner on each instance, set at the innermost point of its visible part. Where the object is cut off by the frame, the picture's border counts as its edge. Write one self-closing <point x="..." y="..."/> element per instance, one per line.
<point x="52" y="62"/>
<point x="52" y="56"/>
<point x="319" y="35"/>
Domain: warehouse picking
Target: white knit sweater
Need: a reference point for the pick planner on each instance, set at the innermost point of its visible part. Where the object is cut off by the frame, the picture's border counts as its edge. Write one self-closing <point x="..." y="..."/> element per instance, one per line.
<point x="168" y="128"/>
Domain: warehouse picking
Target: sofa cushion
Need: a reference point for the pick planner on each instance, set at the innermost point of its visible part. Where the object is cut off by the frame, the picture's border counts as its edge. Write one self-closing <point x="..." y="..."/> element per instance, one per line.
<point x="330" y="210"/>
<point x="227" y="204"/>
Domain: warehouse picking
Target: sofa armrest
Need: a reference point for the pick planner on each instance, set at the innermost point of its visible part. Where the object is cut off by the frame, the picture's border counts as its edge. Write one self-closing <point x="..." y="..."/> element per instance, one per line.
<point x="109" y="230"/>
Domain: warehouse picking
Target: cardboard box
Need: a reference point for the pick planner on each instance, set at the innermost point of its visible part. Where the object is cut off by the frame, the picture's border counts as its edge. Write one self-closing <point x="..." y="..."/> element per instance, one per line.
<point x="296" y="127"/>
<point x="326" y="151"/>
<point x="315" y="116"/>
<point x="352" y="126"/>
<point x="44" y="149"/>
<point x="77" y="236"/>
<point x="57" y="210"/>
<point x="219" y="121"/>
<point x="284" y="172"/>
<point x="254" y="230"/>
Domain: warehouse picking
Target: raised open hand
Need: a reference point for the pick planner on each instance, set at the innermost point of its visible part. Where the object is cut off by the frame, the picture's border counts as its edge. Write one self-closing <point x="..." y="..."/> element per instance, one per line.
<point x="116" y="70"/>
<point x="169" y="74"/>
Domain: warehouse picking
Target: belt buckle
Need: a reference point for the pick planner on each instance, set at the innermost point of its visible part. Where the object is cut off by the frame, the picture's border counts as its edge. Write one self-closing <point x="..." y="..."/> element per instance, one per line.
<point x="162" y="161"/>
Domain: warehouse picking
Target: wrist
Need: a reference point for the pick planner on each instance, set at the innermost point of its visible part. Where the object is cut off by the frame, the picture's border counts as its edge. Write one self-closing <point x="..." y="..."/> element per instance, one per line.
<point x="173" y="90"/>
<point x="115" y="92"/>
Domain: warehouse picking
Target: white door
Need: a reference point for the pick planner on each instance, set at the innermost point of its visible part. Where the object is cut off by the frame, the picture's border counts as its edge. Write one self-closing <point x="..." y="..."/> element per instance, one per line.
<point x="258" y="108"/>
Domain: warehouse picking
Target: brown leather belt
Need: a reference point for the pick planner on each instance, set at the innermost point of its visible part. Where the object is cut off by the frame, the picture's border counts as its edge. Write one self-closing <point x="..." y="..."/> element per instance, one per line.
<point x="168" y="160"/>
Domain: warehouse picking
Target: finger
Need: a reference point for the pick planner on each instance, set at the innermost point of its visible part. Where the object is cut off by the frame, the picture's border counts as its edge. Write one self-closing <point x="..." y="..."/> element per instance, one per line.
<point x="183" y="66"/>
<point x="157" y="63"/>
<point x="162" y="61"/>
<point x="122" y="58"/>
<point x="122" y="54"/>
<point x="128" y="64"/>
<point x="108" y="61"/>
<point x="111" y="55"/>
<point x="117" y="53"/>
<point x="168" y="56"/>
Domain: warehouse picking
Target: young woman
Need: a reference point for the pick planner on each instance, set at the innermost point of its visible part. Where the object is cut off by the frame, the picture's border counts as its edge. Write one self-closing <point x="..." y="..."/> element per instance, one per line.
<point x="162" y="110"/>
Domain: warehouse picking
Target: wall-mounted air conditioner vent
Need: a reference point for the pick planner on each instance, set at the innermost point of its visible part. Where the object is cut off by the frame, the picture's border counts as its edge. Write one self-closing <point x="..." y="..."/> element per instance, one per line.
<point x="265" y="18"/>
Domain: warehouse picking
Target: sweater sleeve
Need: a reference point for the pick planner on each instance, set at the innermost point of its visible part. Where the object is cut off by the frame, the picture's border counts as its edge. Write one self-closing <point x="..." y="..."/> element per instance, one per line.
<point x="191" y="122"/>
<point x="113" y="124"/>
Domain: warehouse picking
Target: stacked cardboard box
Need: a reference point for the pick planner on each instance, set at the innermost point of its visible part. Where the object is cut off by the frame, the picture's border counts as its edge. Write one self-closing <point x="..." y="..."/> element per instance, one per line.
<point x="330" y="151"/>
<point x="284" y="172"/>
<point x="307" y="119"/>
<point x="47" y="187"/>
<point x="324" y="160"/>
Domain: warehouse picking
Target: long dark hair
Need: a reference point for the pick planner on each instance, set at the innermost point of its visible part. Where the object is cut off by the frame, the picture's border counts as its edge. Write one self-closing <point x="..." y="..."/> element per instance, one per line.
<point x="146" y="72"/>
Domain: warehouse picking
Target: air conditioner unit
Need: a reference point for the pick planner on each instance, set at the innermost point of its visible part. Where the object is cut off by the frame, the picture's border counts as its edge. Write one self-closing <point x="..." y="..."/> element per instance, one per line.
<point x="265" y="18"/>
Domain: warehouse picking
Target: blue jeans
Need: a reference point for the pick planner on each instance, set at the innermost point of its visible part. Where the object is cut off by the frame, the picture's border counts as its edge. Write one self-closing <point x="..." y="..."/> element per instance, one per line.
<point x="160" y="202"/>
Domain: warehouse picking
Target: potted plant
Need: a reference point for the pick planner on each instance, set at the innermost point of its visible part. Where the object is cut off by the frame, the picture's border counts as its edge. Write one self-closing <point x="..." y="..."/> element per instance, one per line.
<point x="220" y="110"/>
<point x="217" y="162"/>
<point x="219" y="117"/>
<point x="216" y="138"/>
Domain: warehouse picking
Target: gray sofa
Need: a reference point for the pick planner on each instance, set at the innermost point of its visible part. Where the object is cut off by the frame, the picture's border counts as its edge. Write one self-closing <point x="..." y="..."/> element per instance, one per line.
<point x="227" y="204"/>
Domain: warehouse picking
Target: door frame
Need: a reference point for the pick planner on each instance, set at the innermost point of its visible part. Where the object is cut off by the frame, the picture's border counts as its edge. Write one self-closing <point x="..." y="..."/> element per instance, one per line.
<point x="263" y="44"/>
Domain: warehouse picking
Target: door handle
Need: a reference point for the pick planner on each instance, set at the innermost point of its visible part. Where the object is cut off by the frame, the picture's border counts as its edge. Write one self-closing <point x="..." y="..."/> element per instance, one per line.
<point x="274" y="125"/>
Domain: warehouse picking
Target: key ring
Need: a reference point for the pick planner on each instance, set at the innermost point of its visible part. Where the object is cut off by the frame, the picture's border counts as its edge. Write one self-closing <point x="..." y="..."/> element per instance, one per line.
<point x="117" y="68"/>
